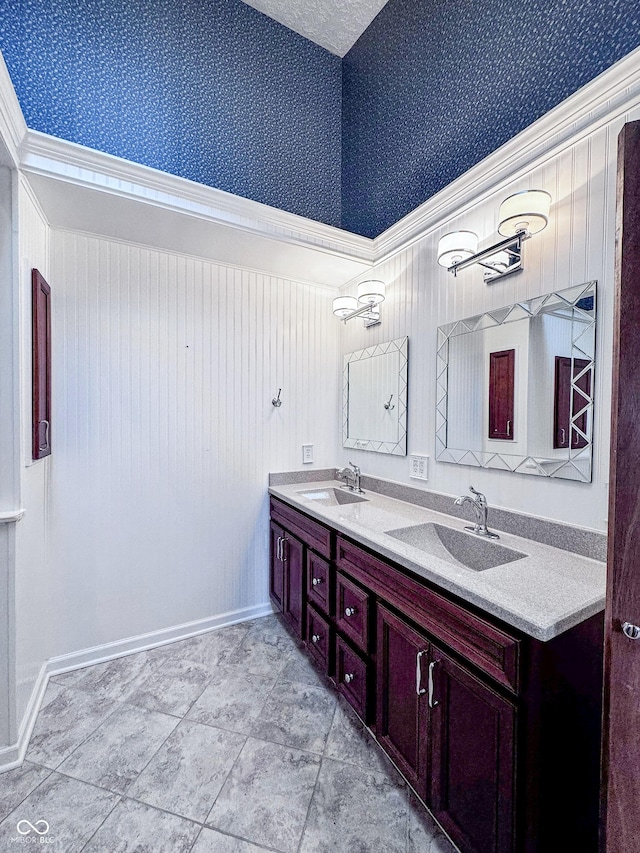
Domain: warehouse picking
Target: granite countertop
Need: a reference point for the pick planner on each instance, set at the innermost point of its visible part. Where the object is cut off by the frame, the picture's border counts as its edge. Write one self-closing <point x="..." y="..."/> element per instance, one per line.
<point x="542" y="595"/>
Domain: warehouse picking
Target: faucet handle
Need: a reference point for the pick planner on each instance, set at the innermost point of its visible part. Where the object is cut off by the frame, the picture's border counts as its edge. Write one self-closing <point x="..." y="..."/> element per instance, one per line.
<point x="355" y="468"/>
<point x="479" y="496"/>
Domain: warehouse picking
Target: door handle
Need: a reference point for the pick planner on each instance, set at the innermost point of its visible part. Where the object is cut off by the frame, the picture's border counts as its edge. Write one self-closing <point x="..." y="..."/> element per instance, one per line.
<point x="284" y="556"/>
<point x="279" y="540"/>
<point x="432" y="702"/>
<point x="419" y="688"/>
<point x="46" y="435"/>
<point x="631" y="631"/>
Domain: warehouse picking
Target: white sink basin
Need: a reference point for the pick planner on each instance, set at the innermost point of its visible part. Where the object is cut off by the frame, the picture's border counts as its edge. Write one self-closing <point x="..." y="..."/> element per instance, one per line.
<point x="332" y="497"/>
<point x="466" y="549"/>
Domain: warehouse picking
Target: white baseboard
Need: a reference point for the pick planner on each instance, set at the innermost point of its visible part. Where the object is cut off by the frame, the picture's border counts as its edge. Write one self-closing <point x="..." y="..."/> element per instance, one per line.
<point x="13" y="756"/>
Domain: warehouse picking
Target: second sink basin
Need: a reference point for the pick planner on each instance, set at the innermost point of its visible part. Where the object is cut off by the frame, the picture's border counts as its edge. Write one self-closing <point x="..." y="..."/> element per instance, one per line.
<point x="332" y="497"/>
<point x="467" y="549"/>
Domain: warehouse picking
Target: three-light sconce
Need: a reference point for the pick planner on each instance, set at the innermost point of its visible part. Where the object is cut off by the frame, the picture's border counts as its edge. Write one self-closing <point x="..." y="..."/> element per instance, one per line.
<point x="367" y="305"/>
<point x="521" y="216"/>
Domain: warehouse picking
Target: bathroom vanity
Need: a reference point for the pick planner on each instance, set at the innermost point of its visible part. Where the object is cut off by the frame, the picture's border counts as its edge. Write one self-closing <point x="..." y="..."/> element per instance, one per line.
<point x="477" y="666"/>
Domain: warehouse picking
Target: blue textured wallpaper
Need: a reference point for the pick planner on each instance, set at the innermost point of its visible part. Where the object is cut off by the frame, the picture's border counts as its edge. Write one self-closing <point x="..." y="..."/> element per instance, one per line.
<point x="210" y="90"/>
<point x="434" y="86"/>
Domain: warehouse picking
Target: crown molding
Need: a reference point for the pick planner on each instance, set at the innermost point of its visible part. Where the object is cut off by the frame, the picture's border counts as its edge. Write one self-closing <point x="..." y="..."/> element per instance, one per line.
<point x="13" y="127"/>
<point x="599" y="102"/>
<point x="68" y="162"/>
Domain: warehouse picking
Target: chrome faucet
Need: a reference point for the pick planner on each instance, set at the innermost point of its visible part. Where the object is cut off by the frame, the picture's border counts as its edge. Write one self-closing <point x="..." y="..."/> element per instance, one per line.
<point x="351" y="477"/>
<point x="481" y="509"/>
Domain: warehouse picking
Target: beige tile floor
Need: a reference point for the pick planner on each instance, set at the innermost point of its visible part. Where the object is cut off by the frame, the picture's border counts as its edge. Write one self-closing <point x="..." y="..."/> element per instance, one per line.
<point x="226" y="743"/>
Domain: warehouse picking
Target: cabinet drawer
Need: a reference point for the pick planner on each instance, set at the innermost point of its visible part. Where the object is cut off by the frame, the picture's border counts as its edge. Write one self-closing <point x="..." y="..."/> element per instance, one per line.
<point x="309" y="531"/>
<point x="487" y="647"/>
<point x="318" y="638"/>
<point x="352" y="611"/>
<point x="318" y="582"/>
<point x="351" y="676"/>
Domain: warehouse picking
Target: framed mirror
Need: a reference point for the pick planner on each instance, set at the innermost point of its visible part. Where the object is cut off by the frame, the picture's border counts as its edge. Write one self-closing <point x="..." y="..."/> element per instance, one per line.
<point x="515" y="387"/>
<point x="374" y="398"/>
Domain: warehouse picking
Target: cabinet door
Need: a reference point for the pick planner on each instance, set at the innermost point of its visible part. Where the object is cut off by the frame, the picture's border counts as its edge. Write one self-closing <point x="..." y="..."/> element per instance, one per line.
<point x="401" y="713"/>
<point x="276" y="567"/>
<point x="501" y="394"/>
<point x="472" y="753"/>
<point x="294" y="573"/>
<point x="41" y="354"/>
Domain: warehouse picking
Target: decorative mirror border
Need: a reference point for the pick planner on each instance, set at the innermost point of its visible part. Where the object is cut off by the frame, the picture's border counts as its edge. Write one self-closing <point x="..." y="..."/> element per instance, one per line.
<point x="564" y="468"/>
<point x="398" y="448"/>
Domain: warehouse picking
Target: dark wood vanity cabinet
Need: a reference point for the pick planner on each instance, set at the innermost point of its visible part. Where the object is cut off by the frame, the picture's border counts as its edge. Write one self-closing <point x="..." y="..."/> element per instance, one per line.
<point x="472" y="748"/>
<point x="287" y="577"/>
<point x="402" y="697"/>
<point x="496" y="732"/>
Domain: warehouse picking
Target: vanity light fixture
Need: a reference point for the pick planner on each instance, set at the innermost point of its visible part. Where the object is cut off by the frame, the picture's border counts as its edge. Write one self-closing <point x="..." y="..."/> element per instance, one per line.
<point x="370" y="294"/>
<point x="521" y="216"/>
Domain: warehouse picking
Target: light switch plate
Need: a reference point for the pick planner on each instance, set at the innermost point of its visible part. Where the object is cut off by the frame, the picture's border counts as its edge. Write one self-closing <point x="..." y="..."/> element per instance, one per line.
<point x="419" y="467"/>
<point x="307" y="453"/>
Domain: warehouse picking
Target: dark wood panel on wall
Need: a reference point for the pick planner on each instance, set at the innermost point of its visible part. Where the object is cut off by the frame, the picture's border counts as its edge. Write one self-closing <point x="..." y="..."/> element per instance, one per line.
<point x="41" y="361"/>
<point x="501" y="394"/>
<point x="621" y="732"/>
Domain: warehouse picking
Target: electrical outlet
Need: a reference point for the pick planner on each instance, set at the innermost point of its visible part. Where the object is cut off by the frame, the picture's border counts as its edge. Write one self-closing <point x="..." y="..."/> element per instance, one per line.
<point x="307" y="453"/>
<point x="419" y="468"/>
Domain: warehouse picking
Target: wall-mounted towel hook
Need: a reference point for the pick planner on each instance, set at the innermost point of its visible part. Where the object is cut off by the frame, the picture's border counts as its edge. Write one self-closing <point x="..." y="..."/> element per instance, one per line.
<point x="388" y="405"/>
<point x="277" y="402"/>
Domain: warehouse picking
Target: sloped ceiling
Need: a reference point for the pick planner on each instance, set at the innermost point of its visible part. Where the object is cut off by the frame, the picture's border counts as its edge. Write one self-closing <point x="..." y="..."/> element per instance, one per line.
<point x="333" y="24"/>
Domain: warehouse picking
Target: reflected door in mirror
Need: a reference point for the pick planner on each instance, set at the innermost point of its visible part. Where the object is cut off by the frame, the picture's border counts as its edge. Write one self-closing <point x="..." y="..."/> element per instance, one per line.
<point x="501" y="394"/>
<point x="566" y="429"/>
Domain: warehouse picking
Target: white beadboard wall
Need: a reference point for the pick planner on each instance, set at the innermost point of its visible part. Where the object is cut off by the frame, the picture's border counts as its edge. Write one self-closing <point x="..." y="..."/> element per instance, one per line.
<point x="577" y="246"/>
<point x="34" y="582"/>
<point x="164" y="369"/>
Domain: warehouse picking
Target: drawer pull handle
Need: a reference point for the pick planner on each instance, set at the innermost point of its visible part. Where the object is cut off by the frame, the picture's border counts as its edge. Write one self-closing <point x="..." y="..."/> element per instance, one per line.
<point x="316" y="581"/>
<point x="348" y="677"/>
<point x="315" y="638"/>
<point x="420" y="690"/>
<point x="432" y="702"/>
<point x="631" y="631"/>
<point x="349" y="611"/>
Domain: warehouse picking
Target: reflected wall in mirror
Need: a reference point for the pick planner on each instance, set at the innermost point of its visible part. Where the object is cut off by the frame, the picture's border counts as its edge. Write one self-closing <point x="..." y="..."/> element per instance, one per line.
<point x="515" y="387"/>
<point x="374" y="398"/>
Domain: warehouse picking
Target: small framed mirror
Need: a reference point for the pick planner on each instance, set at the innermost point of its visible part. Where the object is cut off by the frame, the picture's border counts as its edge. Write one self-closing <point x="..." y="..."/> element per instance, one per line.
<point x="374" y="400"/>
<point x="515" y="387"/>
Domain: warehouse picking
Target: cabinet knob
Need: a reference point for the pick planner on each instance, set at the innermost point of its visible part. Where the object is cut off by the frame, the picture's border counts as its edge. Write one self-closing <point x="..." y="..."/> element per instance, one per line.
<point x="316" y="581"/>
<point x="349" y="611"/>
<point x="348" y="677"/>
<point x="315" y="638"/>
<point x="631" y="631"/>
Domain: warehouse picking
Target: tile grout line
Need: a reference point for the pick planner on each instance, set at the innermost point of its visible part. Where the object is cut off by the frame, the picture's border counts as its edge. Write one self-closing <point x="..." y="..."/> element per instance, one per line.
<point x="313" y="793"/>
<point x="84" y="740"/>
<point x="33" y="790"/>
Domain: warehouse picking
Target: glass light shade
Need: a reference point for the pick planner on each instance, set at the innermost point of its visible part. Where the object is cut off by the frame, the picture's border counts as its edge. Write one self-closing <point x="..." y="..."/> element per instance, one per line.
<point x="343" y="305"/>
<point x="371" y="292"/>
<point x="456" y="247"/>
<point x="525" y="211"/>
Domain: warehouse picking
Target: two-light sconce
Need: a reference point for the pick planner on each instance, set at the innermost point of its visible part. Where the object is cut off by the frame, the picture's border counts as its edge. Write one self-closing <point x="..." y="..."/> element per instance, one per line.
<point x="521" y="215"/>
<point x="367" y="305"/>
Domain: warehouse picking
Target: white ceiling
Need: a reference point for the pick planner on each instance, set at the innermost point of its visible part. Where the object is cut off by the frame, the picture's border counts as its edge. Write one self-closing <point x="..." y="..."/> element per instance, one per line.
<point x="333" y="24"/>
